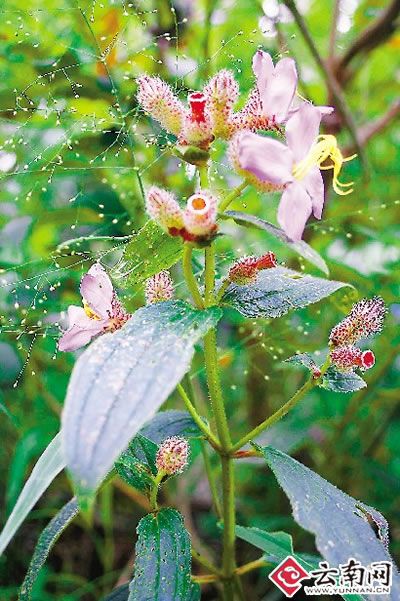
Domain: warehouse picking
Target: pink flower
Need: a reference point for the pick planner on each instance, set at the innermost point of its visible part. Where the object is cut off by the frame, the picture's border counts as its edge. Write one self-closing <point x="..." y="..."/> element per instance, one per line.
<point x="365" y="319"/>
<point x="159" y="288"/>
<point x="158" y="99"/>
<point x="294" y="167"/>
<point x="222" y="92"/>
<point x="101" y="312"/>
<point x="244" y="271"/>
<point x="348" y="358"/>
<point x="200" y="215"/>
<point x="172" y="455"/>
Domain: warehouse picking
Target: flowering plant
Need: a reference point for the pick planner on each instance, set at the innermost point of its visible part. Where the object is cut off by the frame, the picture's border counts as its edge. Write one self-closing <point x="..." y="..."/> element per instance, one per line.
<point x="135" y="360"/>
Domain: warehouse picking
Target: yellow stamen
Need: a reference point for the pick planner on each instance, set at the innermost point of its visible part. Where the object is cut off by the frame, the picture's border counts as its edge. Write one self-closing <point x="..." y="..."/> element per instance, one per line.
<point x="89" y="311"/>
<point x="325" y="148"/>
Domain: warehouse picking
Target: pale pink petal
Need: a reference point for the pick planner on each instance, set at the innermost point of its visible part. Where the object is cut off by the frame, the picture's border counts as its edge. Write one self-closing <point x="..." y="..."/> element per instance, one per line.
<point x="314" y="184"/>
<point x="81" y="329"/>
<point x="97" y="291"/>
<point x="269" y="160"/>
<point x="297" y="103"/>
<point x="302" y="130"/>
<point x="294" y="210"/>
<point x="280" y="90"/>
<point x="325" y="110"/>
<point x="263" y="69"/>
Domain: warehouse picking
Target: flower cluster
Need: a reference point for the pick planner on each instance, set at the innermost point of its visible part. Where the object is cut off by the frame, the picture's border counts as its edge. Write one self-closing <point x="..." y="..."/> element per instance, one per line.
<point x="159" y="288"/>
<point x="102" y="311"/>
<point x="291" y="167"/>
<point x="195" y="223"/>
<point x="245" y="270"/>
<point x="172" y="455"/>
<point x="364" y="320"/>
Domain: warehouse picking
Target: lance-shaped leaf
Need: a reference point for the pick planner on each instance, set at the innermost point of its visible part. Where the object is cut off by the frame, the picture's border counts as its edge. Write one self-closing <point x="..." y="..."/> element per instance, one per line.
<point x="171" y="423"/>
<point x="150" y="251"/>
<point x="300" y="247"/>
<point x="339" y="522"/>
<point x="46" y="541"/>
<point x="278" y="291"/>
<point x="49" y="465"/>
<point x="121" y="381"/>
<point x="163" y="559"/>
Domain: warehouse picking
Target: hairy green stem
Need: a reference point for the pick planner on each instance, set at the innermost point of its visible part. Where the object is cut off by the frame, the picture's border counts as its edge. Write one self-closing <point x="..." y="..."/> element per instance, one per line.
<point x="225" y="202"/>
<point x="275" y="417"/>
<point x="197" y="419"/>
<point x="191" y="281"/>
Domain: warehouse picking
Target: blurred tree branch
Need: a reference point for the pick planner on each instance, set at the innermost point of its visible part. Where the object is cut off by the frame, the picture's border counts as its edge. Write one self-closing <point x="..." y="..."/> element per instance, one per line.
<point x="376" y="34"/>
<point x="369" y="130"/>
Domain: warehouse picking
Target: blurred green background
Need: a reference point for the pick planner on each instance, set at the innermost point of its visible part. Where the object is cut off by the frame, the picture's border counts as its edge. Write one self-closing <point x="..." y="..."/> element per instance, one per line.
<point x="75" y="152"/>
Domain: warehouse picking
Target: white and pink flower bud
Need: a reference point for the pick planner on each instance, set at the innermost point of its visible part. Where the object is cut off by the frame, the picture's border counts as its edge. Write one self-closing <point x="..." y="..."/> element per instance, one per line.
<point x="162" y="206"/>
<point x="200" y="215"/>
<point x="196" y="128"/>
<point x="222" y="92"/>
<point x="158" y="99"/>
<point x="245" y="270"/>
<point x="172" y="455"/>
<point x="348" y="358"/>
<point x="159" y="288"/>
<point x="365" y="319"/>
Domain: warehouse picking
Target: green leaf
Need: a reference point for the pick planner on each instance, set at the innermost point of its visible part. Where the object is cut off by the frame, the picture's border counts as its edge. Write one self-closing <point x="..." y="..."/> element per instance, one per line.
<point x="277" y="544"/>
<point x="120" y="382"/>
<point x="44" y="545"/>
<point x="163" y="559"/>
<point x="119" y="594"/>
<point x="305" y="359"/>
<point x="338" y="521"/>
<point x="150" y="251"/>
<point x="300" y="247"/>
<point x="338" y="381"/>
<point x="48" y="466"/>
<point x="278" y="291"/>
<point x="136" y="465"/>
<point x="170" y="423"/>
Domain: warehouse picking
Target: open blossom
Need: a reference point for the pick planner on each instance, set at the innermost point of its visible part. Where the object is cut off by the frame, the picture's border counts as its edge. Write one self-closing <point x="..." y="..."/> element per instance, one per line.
<point x="172" y="455"/>
<point x="348" y="358"/>
<point x="101" y="312"/>
<point x="245" y="270"/>
<point x="294" y="167"/>
<point x="365" y="319"/>
<point x="159" y="288"/>
<point x="271" y="99"/>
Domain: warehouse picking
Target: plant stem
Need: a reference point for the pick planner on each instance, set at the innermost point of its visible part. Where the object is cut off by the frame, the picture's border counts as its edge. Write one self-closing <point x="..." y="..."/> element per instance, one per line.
<point x="197" y="419"/>
<point x="154" y="490"/>
<point x="189" y="276"/>
<point x="203" y="177"/>
<point x="252" y="565"/>
<point x="225" y="202"/>
<point x="209" y="276"/>
<point x="211" y="480"/>
<point x="203" y="561"/>
<point x="275" y="417"/>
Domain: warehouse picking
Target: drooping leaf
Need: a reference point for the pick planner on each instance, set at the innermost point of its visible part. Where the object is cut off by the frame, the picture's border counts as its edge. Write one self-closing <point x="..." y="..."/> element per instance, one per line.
<point x="120" y="382"/>
<point x="44" y="545"/>
<point x="339" y="381"/>
<point x="136" y="465"/>
<point x="301" y="248"/>
<point x="340" y="526"/>
<point x="163" y="559"/>
<point x="278" y="291"/>
<point x="305" y="359"/>
<point x="48" y="466"/>
<point x="148" y="253"/>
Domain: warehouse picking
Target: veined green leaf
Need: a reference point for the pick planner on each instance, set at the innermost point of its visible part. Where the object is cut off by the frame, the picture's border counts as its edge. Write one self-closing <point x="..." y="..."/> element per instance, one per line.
<point x="170" y="423"/>
<point x="339" y="381"/>
<point x="278" y="291"/>
<point x="46" y="541"/>
<point x="120" y="382"/>
<point x="48" y="466"/>
<point x="338" y="521"/>
<point x="301" y="248"/>
<point x="163" y="559"/>
<point x="150" y="251"/>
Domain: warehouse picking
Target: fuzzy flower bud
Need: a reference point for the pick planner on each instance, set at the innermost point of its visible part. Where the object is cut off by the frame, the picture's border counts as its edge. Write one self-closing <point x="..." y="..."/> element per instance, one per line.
<point x="201" y="214"/>
<point x="157" y="98"/>
<point x="172" y="455"/>
<point x="365" y="319"/>
<point x="222" y="92"/>
<point x="164" y="209"/>
<point x="252" y="116"/>
<point x="348" y="358"/>
<point x="245" y="270"/>
<point x="196" y="128"/>
<point x="159" y="288"/>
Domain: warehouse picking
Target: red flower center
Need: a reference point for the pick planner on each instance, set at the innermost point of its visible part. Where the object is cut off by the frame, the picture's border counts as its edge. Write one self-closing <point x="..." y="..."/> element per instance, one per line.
<point x="368" y="359"/>
<point x="197" y="102"/>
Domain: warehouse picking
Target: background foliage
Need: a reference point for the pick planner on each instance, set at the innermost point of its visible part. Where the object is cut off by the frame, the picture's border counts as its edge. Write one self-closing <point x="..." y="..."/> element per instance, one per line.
<point x="75" y="155"/>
